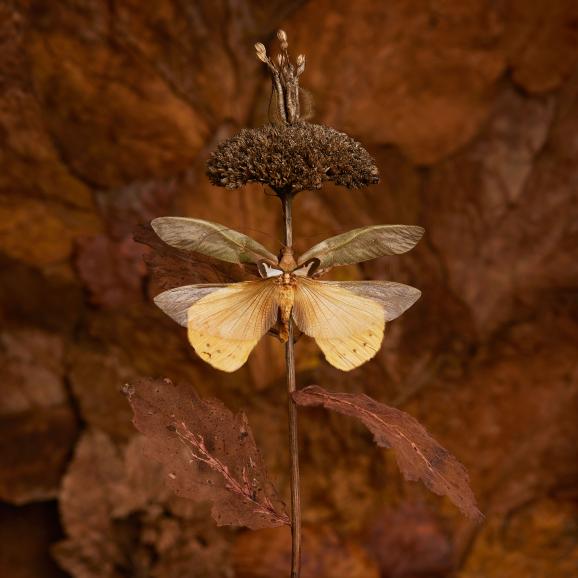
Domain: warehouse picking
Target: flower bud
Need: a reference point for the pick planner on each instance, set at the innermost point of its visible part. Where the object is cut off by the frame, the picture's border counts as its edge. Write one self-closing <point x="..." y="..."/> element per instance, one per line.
<point x="300" y="64"/>
<point x="261" y="52"/>
<point x="282" y="36"/>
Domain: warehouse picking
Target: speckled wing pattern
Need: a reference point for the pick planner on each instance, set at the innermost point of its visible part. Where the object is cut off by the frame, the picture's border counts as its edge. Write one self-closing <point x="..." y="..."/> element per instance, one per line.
<point x="225" y="325"/>
<point x="347" y="319"/>
<point x="363" y="244"/>
<point x="211" y="239"/>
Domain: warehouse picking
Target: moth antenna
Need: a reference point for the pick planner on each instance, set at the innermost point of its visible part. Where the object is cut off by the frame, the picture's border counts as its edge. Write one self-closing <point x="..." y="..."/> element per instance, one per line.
<point x="285" y="78"/>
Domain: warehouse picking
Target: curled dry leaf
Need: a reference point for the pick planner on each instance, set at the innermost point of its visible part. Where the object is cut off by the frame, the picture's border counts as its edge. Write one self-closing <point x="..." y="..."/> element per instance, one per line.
<point x="417" y="454"/>
<point x="38" y="427"/>
<point x="209" y="453"/>
<point x="120" y="519"/>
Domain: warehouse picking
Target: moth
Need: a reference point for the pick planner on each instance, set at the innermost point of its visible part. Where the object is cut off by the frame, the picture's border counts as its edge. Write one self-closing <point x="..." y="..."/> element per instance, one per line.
<point x="346" y="318"/>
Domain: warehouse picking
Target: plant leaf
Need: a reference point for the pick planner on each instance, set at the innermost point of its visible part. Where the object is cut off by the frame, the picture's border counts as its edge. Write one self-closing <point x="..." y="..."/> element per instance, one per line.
<point x="209" y="454"/>
<point x="417" y="454"/>
<point x="120" y="519"/>
<point x="363" y="244"/>
<point x="211" y="239"/>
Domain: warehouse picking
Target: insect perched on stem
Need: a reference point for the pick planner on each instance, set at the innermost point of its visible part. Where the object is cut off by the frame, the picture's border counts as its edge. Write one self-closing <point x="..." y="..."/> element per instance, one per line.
<point x="346" y="318"/>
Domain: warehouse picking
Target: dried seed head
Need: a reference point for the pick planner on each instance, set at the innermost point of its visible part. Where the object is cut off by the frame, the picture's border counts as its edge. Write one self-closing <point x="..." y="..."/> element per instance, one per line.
<point x="261" y="52"/>
<point x="291" y="158"/>
<point x="285" y="79"/>
<point x="300" y="64"/>
<point x="282" y="36"/>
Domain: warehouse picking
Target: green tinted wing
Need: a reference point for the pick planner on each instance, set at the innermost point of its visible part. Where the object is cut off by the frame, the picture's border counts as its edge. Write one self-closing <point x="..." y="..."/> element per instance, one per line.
<point x="211" y="239"/>
<point x="363" y="244"/>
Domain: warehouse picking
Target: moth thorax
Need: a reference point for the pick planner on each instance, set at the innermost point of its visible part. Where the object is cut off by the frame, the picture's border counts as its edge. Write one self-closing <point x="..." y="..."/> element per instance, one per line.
<point x="287" y="262"/>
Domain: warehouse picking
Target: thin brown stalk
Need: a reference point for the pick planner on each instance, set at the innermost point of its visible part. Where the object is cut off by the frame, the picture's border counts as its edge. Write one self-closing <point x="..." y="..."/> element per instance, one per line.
<point x="292" y="406"/>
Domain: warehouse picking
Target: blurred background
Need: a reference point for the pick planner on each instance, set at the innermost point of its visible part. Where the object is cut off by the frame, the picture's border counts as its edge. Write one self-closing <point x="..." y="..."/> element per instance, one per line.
<point x="108" y="110"/>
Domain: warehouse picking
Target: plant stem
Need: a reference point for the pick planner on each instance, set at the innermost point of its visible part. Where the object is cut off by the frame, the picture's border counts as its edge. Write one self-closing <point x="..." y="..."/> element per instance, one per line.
<point x="293" y="440"/>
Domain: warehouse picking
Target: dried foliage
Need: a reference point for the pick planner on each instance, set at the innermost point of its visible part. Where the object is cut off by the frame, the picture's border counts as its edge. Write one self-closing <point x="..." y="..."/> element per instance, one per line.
<point x="291" y="158"/>
<point x="410" y="541"/>
<point x="95" y="376"/>
<point x="417" y="454"/>
<point x="108" y="101"/>
<point x="37" y="423"/>
<point x="170" y="267"/>
<point x="209" y="454"/>
<point x="121" y="520"/>
<point x="535" y="540"/>
<point x="267" y="553"/>
<point x="26" y="534"/>
<point x="111" y="271"/>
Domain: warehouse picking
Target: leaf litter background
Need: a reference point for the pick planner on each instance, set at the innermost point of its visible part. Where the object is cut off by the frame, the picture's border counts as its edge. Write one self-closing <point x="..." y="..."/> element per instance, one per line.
<point x="108" y="111"/>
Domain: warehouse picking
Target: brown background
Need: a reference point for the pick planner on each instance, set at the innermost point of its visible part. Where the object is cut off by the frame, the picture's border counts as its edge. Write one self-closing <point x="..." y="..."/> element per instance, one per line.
<point x="108" y="110"/>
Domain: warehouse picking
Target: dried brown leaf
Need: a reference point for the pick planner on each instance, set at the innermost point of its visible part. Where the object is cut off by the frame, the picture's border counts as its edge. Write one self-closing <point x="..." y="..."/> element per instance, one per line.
<point x="120" y="519"/>
<point x="26" y="534"/>
<point x="86" y="498"/>
<point x="111" y="270"/>
<point x="170" y="267"/>
<point x="209" y="453"/>
<point x="38" y="427"/>
<point x="417" y="454"/>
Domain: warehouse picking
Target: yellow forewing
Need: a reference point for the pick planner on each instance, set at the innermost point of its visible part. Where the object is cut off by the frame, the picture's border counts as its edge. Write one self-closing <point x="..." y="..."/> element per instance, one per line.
<point x="347" y="327"/>
<point x="225" y="326"/>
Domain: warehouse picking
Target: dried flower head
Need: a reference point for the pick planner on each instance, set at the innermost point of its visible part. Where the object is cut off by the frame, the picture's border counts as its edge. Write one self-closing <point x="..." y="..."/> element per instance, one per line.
<point x="291" y="158"/>
<point x="291" y="155"/>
